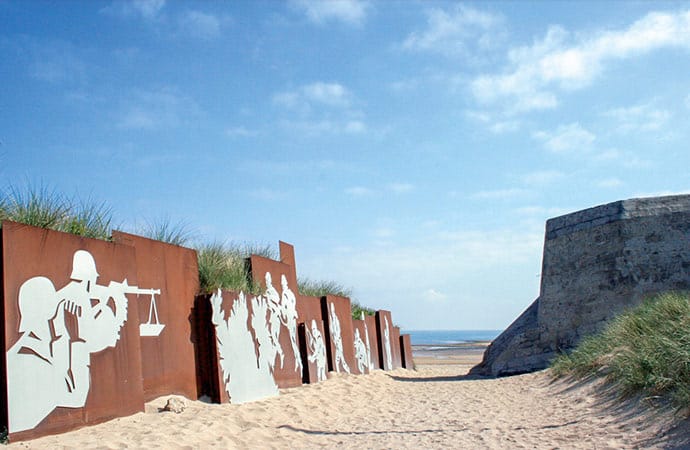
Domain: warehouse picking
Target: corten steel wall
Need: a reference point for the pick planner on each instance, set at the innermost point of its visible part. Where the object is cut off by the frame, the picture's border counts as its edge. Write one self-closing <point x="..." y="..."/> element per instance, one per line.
<point x="311" y="367"/>
<point x="374" y="340"/>
<point x="3" y="371"/>
<point x="209" y="377"/>
<point x="406" y="351"/>
<point x="288" y="369"/>
<point x="308" y="309"/>
<point x="343" y="313"/>
<point x="106" y="379"/>
<point x="395" y="343"/>
<point x="384" y="339"/>
<point x="168" y="359"/>
<point x="358" y="327"/>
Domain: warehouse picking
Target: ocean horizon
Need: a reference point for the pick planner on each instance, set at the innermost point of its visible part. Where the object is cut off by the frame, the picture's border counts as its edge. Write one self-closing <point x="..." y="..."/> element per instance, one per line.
<point x="448" y="337"/>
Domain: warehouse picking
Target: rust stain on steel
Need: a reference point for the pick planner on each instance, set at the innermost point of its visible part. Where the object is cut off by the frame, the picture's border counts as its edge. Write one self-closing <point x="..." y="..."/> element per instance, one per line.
<point x="384" y="331"/>
<point x="395" y="344"/>
<point x="341" y="356"/>
<point x="406" y="351"/>
<point x="168" y="357"/>
<point x="115" y="388"/>
<point x="373" y="339"/>
<point x="282" y="318"/>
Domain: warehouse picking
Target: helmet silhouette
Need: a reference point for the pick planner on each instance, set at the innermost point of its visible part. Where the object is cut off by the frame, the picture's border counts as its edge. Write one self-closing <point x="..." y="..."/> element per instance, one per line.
<point x="83" y="266"/>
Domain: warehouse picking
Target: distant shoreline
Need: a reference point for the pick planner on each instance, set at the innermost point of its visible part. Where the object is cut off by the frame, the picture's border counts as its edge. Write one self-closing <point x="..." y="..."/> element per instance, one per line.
<point x="465" y="353"/>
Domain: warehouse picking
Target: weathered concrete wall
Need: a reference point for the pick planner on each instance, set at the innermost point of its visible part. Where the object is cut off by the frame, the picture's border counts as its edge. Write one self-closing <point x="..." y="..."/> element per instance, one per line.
<point x="597" y="263"/>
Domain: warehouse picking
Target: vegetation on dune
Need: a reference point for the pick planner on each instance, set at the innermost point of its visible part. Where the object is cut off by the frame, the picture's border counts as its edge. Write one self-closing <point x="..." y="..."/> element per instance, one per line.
<point x="225" y="266"/>
<point x="45" y="208"/>
<point x="321" y="288"/>
<point x="645" y="351"/>
<point x="221" y="265"/>
<point x="165" y="230"/>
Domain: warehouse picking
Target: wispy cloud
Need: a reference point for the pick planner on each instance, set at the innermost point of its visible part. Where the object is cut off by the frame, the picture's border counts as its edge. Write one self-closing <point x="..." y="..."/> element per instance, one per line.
<point x="434" y="296"/>
<point x="458" y="31"/>
<point x="199" y="25"/>
<point x="566" y="139"/>
<point x="352" y="12"/>
<point x="359" y="191"/>
<point x="146" y="9"/>
<point x="321" y="108"/>
<point x="320" y="93"/>
<point x="542" y="177"/>
<point x="562" y="61"/>
<point x="155" y="109"/>
<point x="637" y="118"/>
<point x="400" y="188"/>
<point x="499" y="194"/>
<point x="609" y="183"/>
<point x="54" y="61"/>
<point x="240" y="132"/>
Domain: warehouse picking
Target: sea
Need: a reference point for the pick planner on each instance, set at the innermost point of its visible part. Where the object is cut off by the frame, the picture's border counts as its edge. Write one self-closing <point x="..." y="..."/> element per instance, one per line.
<point x="450" y="337"/>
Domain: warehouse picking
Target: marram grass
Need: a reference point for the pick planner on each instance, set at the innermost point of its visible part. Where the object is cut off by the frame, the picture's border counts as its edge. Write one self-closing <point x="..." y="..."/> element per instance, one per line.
<point x="225" y="266"/>
<point x="645" y="351"/>
<point x="322" y="288"/>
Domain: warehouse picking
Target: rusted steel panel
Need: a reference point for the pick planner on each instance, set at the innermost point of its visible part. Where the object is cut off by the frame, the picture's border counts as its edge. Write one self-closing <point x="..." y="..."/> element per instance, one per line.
<point x="313" y="350"/>
<point x="209" y="376"/>
<point x="362" y="343"/>
<point x="395" y="344"/>
<point x="279" y="294"/>
<point x="370" y="322"/>
<point x="167" y="351"/>
<point x="246" y="354"/>
<point x="406" y="351"/>
<point x="71" y="331"/>
<point x="384" y="335"/>
<point x="339" y="334"/>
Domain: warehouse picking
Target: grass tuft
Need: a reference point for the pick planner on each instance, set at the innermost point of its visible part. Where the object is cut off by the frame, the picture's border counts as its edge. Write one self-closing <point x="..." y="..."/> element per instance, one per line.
<point x="45" y="208"/>
<point x="165" y="230"/>
<point x="225" y="266"/>
<point x="645" y="351"/>
<point x="322" y="288"/>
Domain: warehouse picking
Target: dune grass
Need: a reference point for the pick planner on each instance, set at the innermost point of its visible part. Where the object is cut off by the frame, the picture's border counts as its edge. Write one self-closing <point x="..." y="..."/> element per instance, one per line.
<point x="166" y="230"/>
<point x="321" y="288"/>
<point x="225" y="266"/>
<point x="645" y="351"/>
<point x="46" y="208"/>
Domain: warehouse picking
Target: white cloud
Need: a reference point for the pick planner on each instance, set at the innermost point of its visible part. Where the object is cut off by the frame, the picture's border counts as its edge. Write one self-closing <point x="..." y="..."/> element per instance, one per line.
<point x="542" y="177"/>
<point x="351" y="12"/>
<point x="240" y="132"/>
<point x="566" y="138"/>
<point x="400" y="188"/>
<point x="561" y="61"/>
<point x="610" y="183"/>
<point x="200" y="25"/>
<point x="321" y="108"/>
<point x="155" y="109"/>
<point x="452" y="31"/>
<point x="328" y="94"/>
<point x="498" y="194"/>
<point x="434" y="296"/>
<point x="359" y="191"/>
<point x="638" y="118"/>
<point x="147" y="9"/>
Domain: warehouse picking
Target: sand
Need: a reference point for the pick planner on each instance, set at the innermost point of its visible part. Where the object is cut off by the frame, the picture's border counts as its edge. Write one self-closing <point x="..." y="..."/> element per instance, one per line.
<point x="436" y="406"/>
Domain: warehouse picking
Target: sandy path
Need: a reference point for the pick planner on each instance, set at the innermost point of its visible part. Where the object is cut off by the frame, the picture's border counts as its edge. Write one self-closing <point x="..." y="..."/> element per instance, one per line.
<point x="434" y="407"/>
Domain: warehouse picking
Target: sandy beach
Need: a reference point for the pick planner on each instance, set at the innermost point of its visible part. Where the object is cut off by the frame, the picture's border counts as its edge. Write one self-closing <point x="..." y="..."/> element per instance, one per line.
<point x="435" y="406"/>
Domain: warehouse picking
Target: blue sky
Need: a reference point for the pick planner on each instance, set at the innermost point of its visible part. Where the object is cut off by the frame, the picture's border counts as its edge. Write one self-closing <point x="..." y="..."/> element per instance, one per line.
<point x="410" y="150"/>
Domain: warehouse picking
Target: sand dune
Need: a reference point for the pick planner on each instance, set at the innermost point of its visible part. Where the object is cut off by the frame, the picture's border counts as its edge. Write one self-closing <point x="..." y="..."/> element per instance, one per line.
<point x="433" y="407"/>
